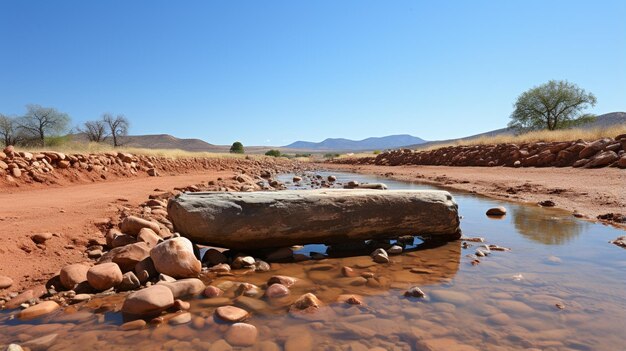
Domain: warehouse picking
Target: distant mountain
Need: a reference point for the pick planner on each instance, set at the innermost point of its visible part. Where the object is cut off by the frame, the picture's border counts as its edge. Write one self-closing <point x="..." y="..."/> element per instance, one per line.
<point x="340" y="144"/>
<point x="606" y="120"/>
<point x="163" y="141"/>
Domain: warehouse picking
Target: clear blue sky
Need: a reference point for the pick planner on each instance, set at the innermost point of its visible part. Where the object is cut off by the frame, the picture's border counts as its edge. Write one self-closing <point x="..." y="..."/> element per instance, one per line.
<point x="272" y="72"/>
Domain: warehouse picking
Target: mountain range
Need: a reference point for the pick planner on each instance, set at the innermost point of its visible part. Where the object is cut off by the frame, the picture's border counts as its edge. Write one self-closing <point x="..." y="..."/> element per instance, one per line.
<point x="341" y="144"/>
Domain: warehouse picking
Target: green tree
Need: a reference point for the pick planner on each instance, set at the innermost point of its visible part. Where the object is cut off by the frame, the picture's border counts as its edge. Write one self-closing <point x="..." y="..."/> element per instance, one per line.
<point x="553" y="105"/>
<point x="236" y="148"/>
<point x="274" y="153"/>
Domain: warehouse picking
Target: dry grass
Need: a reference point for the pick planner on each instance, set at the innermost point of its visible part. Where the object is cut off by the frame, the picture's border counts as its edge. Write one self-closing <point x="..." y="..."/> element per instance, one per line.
<point x="93" y="148"/>
<point x="536" y="136"/>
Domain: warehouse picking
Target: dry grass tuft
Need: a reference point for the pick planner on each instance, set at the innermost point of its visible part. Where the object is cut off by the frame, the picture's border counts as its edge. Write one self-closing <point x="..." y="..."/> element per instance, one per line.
<point x="537" y="136"/>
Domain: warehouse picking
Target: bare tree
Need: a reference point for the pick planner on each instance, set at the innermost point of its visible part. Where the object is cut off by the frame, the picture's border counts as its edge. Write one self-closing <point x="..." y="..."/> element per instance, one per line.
<point x="118" y="127"/>
<point x="96" y="131"/>
<point x="39" y="122"/>
<point x="8" y="130"/>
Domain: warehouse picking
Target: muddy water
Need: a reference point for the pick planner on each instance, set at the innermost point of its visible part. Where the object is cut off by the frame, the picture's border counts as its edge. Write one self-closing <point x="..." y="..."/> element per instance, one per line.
<point x="506" y="301"/>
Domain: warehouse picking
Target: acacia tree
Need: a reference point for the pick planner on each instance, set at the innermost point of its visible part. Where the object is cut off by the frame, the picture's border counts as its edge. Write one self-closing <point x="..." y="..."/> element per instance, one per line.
<point x="553" y="105"/>
<point x="236" y="148"/>
<point x="96" y="131"/>
<point x="8" y="130"/>
<point x="117" y="127"/>
<point x="39" y="122"/>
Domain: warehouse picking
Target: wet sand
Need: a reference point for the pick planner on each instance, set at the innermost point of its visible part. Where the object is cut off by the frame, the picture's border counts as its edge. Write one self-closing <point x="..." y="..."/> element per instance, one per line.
<point x="590" y="192"/>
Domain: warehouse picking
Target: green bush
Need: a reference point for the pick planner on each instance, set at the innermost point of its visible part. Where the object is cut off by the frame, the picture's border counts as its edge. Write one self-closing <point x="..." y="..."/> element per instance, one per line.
<point x="376" y="152"/>
<point x="331" y="155"/>
<point x="273" y="153"/>
<point x="237" y="148"/>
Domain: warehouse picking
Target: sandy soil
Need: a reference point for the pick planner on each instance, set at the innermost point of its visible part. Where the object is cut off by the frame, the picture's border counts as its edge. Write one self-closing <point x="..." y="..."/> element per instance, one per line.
<point x="71" y="214"/>
<point x="590" y="192"/>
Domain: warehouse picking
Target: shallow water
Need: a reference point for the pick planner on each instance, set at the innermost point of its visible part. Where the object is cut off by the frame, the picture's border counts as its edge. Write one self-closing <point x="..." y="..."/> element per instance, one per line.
<point x="507" y="301"/>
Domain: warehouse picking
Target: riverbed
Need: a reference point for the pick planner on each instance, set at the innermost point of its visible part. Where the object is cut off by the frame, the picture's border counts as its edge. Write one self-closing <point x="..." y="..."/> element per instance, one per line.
<point x="560" y="286"/>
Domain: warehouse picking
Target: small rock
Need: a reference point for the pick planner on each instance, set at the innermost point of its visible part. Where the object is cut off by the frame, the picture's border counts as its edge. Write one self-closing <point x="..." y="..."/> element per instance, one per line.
<point x="496" y="211"/>
<point x="41" y="343"/>
<point x="185" y="287"/>
<point x="380" y="256"/>
<point x="243" y="262"/>
<point x="547" y="203"/>
<point x="5" y="282"/>
<point x="395" y="250"/>
<point x="133" y="325"/>
<point x="175" y="257"/>
<point x="181" y="305"/>
<point x="181" y="318"/>
<point x="212" y="291"/>
<point x="73" y="275"/>
<point x="132" y="225"/>
<point x="39" y="310"/>
<point x="276" y="290"/>
<point x="241" y="334"/>
<point x="41" y="238"/>
<point x="231" y="314"/>
<point x="129" y="282"/>
<point x="282" y="279"/>
<point x="104" y="276"/>
<point x="149" y="301"/>
<point x="415" y="291"/>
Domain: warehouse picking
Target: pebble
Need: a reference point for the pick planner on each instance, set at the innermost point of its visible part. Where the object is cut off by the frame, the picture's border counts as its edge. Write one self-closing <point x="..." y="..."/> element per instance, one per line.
<point x="181" y="318"/>
<point x="415" y="291"/>
<point x="380" y="256"/>
<point x="243" y="262"/>
<point x="276" y="291"/>
<point x="231" y="314"/>
<point x="282" y="279"/>
<point x="129" y="282"/>
<point x="496" y="211"/>
<point x="39" y="310"/>
<point x="5" y="282"/>
<point x="133" y="325"/>
<point x="395" y="250"/>
<point x="148" y="301"/>
<point x="41" y="238"/>
<point x="212" y="291"/>
<point x="241" y="334"/>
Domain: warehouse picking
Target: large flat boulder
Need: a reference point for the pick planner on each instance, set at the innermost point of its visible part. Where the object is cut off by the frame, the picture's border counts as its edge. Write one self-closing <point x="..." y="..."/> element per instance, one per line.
<point x="253" y="220"/>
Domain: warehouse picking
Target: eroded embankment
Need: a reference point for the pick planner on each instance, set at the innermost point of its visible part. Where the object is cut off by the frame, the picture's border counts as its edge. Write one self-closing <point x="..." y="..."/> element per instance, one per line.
<point x="607" y="152"/>
<point x="20" y="169"/>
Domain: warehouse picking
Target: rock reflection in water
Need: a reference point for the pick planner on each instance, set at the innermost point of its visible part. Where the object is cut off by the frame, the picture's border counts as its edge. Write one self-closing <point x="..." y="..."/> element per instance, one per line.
<point x="543" y="226"/>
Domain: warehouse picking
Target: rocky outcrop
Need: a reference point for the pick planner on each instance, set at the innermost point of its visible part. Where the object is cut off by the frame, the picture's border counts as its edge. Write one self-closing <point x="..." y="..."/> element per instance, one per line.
<point x="276" y="219"/>
<point x="606" y="152"/>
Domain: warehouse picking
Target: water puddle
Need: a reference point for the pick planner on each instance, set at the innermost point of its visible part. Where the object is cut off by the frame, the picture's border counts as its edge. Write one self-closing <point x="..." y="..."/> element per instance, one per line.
<point x="561" y="287"/>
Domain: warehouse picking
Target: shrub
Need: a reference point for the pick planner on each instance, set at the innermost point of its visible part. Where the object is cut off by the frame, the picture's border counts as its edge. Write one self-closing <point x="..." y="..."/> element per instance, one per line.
<point x="273" y="153"/>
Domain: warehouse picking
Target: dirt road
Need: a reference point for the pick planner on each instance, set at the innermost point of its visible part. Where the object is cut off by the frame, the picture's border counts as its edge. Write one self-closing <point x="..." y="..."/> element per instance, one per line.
<point x="70" y="213"/>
